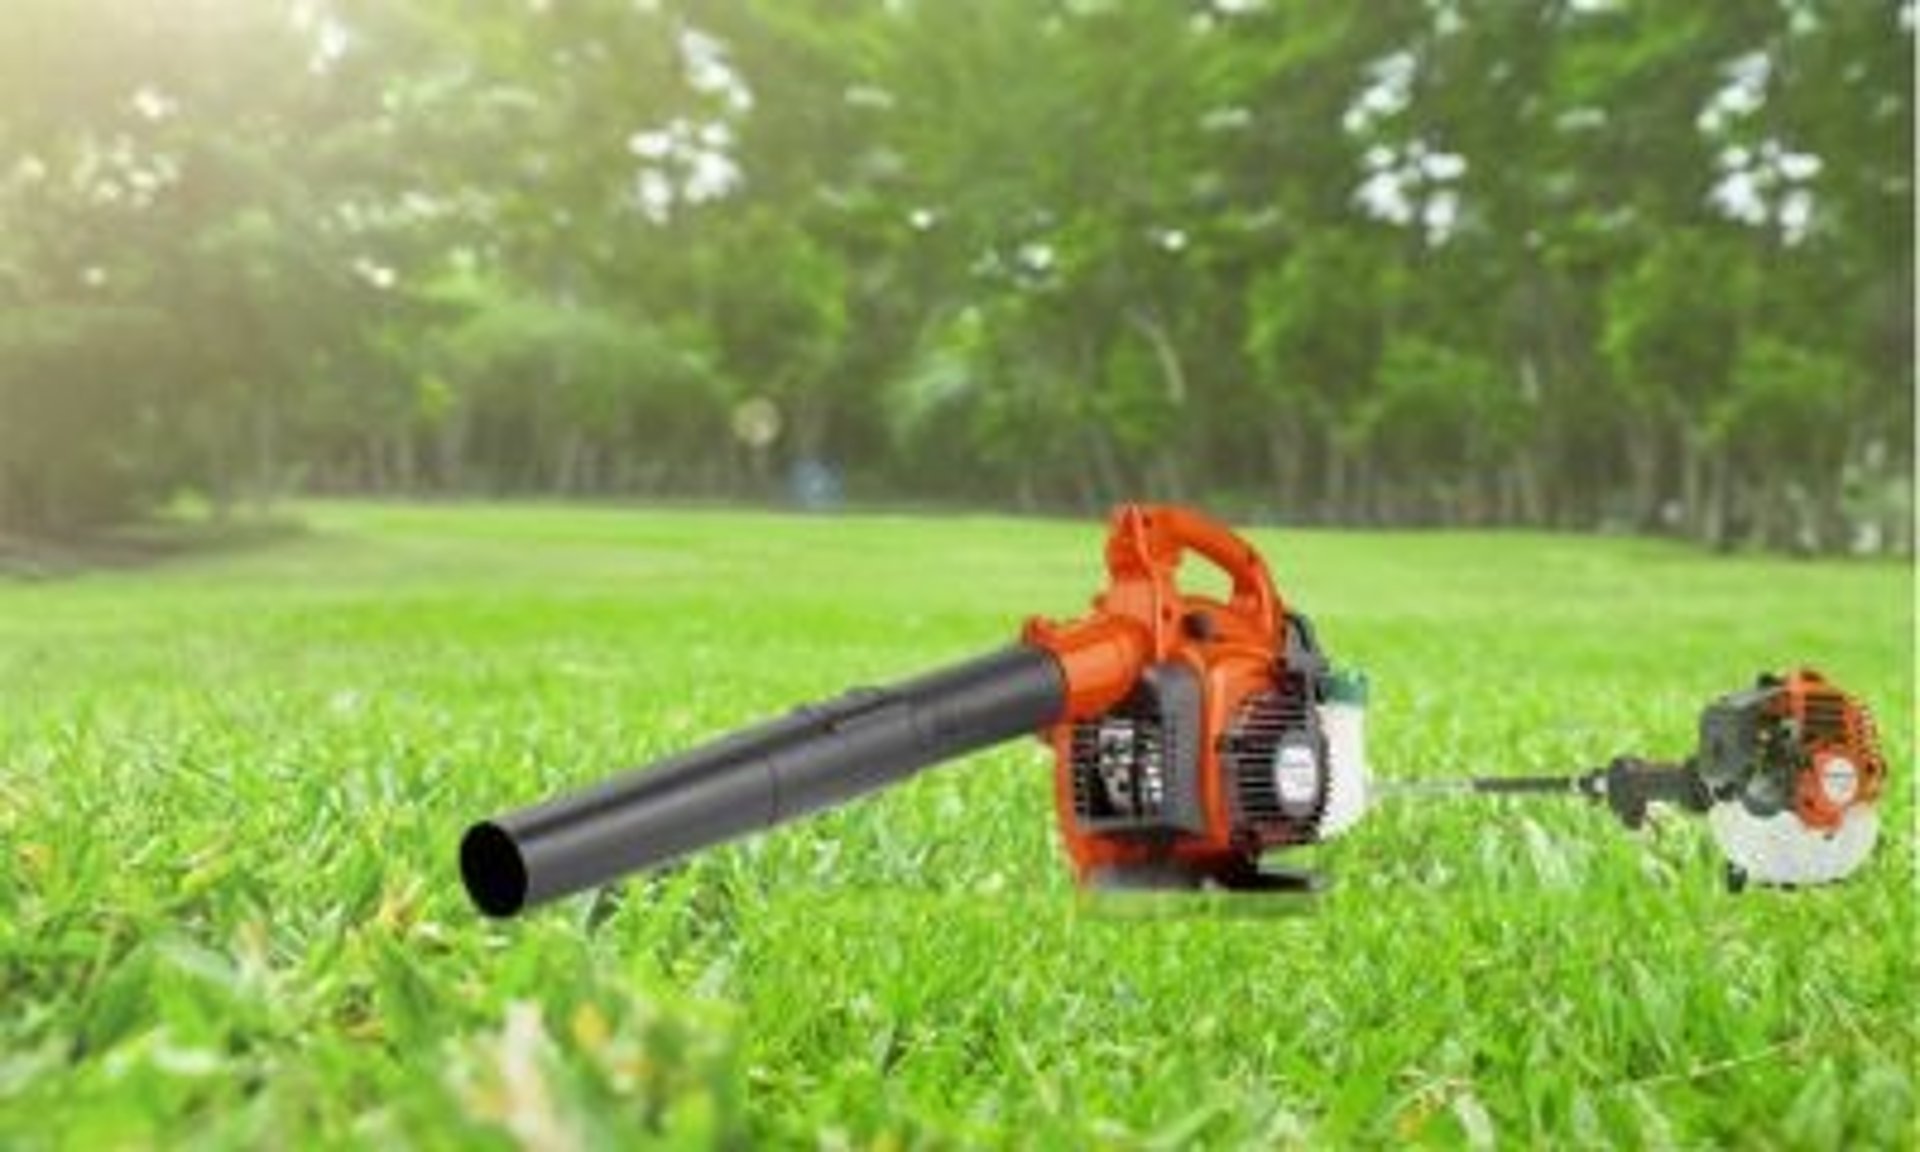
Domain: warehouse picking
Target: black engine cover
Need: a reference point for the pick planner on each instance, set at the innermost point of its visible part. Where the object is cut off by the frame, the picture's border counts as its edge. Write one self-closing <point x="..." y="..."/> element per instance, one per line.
<point x="1136" y="768"/>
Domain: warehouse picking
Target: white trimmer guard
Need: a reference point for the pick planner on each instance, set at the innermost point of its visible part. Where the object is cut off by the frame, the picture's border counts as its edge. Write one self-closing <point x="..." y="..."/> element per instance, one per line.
<point x="1347" y="783"/>
<point x="1779" y="849"/>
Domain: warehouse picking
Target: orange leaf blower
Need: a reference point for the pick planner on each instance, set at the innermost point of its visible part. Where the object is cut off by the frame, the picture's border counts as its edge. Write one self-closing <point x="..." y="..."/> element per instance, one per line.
<point x="1190" y="734"/>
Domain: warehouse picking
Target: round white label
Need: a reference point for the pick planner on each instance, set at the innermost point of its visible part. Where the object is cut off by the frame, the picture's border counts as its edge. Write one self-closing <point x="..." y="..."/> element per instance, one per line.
<point x="1296" y="775"/>
<point x="1839" y="779"/>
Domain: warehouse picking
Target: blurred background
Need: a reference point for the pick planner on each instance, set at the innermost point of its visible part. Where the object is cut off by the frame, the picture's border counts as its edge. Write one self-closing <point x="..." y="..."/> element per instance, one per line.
<point x="1584" y="264"/>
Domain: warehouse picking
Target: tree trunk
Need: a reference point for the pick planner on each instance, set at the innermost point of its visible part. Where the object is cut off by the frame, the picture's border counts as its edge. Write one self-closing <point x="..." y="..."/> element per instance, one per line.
<point x="1532" y="500"/>
<point x="1337" y="482"/>
<point x="1106" y="466"/>
<point x="1771" y="518"/>
<point x="376" y="458"/>
<point x="1284" y="458"/>
<point x="1367" y="491"/>
<point x="451" y="449"/>
<point x="566" y="473"/>
<point x="1643" y="471"/>
<point x="1716" y="523"/>
<point x="1173" y="374"/>
<point x="220" y="485"/>
<point x="1694" y="465"/>
<point x="1173" y="485"/>
<point x="266" y="435"/>
<point x="406" y="462"/>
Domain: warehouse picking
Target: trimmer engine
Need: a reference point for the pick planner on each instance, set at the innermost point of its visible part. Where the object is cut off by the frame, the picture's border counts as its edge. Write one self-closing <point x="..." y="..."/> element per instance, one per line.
<point x="1788" y="772"/>
<point x="1794" y="769"/>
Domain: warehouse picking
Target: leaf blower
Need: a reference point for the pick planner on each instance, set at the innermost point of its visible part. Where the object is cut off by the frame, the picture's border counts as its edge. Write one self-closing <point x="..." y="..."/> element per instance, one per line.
<point x="1788" y="773"/>
<point x="1190" y="734"/>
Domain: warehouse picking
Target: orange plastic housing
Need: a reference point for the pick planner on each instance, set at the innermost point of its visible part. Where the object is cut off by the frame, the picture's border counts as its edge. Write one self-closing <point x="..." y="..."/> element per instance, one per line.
<point x="1837" y="733"/>
<point x="1143" y="618"/>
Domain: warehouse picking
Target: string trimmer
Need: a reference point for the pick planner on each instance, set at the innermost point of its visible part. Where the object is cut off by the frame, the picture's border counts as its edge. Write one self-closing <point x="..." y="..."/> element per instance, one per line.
<point x="1788" y="773"/>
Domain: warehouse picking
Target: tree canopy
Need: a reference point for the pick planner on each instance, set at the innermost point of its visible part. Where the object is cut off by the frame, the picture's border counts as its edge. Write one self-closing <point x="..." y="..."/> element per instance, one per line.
<point x="1571" y="263"/>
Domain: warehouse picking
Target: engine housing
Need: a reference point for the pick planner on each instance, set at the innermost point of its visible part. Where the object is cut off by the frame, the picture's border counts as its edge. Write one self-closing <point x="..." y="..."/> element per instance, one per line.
<point x="1146" y="792"/>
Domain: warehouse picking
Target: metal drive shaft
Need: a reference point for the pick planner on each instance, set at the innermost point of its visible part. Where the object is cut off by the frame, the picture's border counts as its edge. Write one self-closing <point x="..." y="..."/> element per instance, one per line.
<point x="1627" y="786"/>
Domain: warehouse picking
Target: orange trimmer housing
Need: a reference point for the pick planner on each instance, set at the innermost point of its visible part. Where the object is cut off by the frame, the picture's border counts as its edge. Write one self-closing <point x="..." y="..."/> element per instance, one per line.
<point x="1843" y="766"/>
<point x="1235" y="648"/>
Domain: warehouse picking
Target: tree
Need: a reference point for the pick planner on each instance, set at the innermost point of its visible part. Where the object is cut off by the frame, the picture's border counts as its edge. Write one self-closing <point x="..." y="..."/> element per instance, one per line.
<point x="1533" y="262"/>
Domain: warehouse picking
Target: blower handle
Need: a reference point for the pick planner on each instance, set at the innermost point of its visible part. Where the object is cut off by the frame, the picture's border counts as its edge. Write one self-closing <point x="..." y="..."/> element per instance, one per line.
<point x="1146" y="547"/>
<point x="1139" y="618"/>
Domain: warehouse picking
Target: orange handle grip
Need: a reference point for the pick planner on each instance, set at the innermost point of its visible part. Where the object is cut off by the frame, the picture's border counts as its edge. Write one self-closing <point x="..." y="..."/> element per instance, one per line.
<point x="1150" y="539"/>
<point x="1138" y="619"/>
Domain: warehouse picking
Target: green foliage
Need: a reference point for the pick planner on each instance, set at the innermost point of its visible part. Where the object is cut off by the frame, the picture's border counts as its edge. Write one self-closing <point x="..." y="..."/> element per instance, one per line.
<point x="74" y="446"/>
<point x="783" y="321"/>
<point x="231" y="790"/>
<point x="1385" y="262"/>
<point x="1673" y="323"/>
<point x="1787" y="404"/>
<point x="1445" y="410"/>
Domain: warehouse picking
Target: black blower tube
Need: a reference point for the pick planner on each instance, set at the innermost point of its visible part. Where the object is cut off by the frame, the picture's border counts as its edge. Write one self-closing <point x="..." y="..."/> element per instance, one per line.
<point x="816" y="756"/>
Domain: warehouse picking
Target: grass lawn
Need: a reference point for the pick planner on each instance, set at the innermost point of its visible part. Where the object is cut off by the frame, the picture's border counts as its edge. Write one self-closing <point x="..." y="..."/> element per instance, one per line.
<point x="231" y="788"/>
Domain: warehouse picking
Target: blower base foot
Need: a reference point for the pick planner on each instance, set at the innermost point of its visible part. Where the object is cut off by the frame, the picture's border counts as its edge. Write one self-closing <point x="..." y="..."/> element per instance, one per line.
<point x="1172" y="878"/>
<point x="1300" y="881"/>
